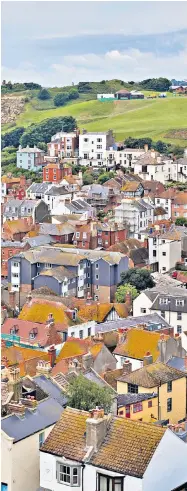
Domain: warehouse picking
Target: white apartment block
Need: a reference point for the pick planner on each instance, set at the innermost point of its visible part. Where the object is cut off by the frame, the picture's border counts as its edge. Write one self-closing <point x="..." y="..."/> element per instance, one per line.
<point x="125" y="158"/>
<point x="136" y="213"/>
<point x="93" y="148"/>
<point x="154" y="167"/>
<point x="163" y="253"/>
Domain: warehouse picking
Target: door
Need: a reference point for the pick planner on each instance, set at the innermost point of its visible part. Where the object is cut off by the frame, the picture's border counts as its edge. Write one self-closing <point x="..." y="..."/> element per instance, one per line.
<point x="127" y="412"/>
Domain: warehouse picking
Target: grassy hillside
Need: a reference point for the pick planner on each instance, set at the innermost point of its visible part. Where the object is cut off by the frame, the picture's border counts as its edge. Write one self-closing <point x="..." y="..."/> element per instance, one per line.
<point x="155" y="118"/>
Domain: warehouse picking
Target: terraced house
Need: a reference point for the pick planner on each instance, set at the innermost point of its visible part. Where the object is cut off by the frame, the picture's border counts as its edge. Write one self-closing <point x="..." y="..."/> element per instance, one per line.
<point x="94" y="273"/>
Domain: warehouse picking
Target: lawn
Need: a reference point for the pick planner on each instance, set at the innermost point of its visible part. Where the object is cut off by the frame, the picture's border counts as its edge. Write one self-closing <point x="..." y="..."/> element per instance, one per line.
<point x="153" y="118"/>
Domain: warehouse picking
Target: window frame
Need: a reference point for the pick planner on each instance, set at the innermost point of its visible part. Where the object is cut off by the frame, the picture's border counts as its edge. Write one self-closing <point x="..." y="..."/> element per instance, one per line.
<point x="130" y="388"/>
<point x="109" y="479"/>
<point x="169" y="386"/>
<point x="169" y="404"/>
<point x="65" y="466"/>
<point x="42" y="434"/>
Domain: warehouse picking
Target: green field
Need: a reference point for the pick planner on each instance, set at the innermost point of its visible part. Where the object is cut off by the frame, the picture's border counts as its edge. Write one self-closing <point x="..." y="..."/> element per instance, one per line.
<point x="154" y="118"/>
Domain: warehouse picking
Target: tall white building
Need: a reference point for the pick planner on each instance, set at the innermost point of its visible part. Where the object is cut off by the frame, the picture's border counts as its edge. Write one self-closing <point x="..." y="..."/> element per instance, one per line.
<point x="125" y="158"/>
<point x="136" y="213"/>
<point x="93" y="148"/>
<point x="151" y="166"/>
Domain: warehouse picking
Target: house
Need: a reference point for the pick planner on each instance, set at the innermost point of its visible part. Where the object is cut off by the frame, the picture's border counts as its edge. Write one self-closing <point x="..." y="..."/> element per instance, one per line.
<point x="168" y="301"/>
<point x="132" y="189"/>
<point x="168" y="383"/>
<point x="98" y="272"/>
<point x="152" y="188"/>
<point x="37" y="190"/>
<point x="15" y="230"/>
<point x="137" y="213"/>
<point x="98" y="196"/>
<point x="32" y="333"/>
<point x="123" y="157"/>
<point x="74" y="207"/>
<point x="105" y="97"/>
<point x="30" y="158"/>
<point x="56" y="195"/>
<point x="164" y="250"/>
<point x="165" y="199"/>
<point x="137" y="253"/>
<point x="8" y="249"/>
<point x="35" y="210"/>
<point x="139" y="345"/>
<point x="64" y="145"/>
<point x="62" y="233"/>
<point x="179" y="206"/>
<point x="138" y="407"/>
<point x="181" y="165"/>
<point x="23" y="433"/>
<point x="88" y="454"/>
<point x="93" y="146"/>
<point x="48" y="309"/>
<point x="10" y="184"/>
<point x="54" y="173"/>
<point x="98" y="234"/>
<point x="123" y="94"/>
<point x="62" y="281"/>
<point x="154" y="166"/>
<point x="26" y="359"/>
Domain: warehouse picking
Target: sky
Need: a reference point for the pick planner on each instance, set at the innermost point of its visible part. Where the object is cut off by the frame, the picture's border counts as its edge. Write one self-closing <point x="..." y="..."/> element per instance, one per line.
<point x="58" y="43"/>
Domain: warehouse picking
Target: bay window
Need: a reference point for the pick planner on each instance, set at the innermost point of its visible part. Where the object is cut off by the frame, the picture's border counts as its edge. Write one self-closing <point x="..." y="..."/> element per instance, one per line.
<point x="107" y="483"/>
<point x="68" y="474"/>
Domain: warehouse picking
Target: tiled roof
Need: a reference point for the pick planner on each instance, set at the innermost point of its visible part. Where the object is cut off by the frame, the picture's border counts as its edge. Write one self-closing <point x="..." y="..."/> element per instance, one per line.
<point x="73" y="347"/>
<point x="137" y="343"/>
<point x="39" y="309"/>
<point x="59" y="273"/>
<point x="128" y="447"/>
<point x="67" y="438"/>
<point x="17" y="226"/>
<point x="126" y="399"/>
<point x="100" y="312"/>
<point x="24" y="328"/>
<point x="152" y="375"/>
<point x="111" y="376"/>
<point x="26" y="358"/>
<point x="131" y="186"/>
<point x="181" y="198"/>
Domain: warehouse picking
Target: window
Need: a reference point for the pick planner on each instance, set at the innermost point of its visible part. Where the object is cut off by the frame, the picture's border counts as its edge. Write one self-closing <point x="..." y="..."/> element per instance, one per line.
<point x="38" y="265"/>
<point x="99" y="140"/>
<point x="164" y="269"/>
<point x="163" y="253"/>
<point x="85" y="139"/>
<point x="132" y="389"/>
<point x="97" y="287"/>
<point x="150" y="403"/>
<point x="180" y="303"/>
<point x="143" y="310"/>
<point x="107" y="483"/>
<point x="48" y="265"/>
<point x="81" y="334"/>
<point x="89" y="332"/>
<point x="154" y="253"/>
<point x="158" y="201"/>
<point x="97" y="266"/>
<point x="41" y="438"/>
<point x="77" y="235"/>
<point x="163" y="314"/>
<point x="163" y="301"/>
<point x="96" y="276"/>
<point x="169" y="404"/>
<point x="163" y="241"/>
<point x="72" y="334"/>
<point x="15" y="275"/>
<point x="169" y="386"/>
<point x="88" y="285"/>
<point x="137" y="407"/>
<point x="15" y="265"/>
<point x="179" y="316"/>
<point x="179" y="329"/>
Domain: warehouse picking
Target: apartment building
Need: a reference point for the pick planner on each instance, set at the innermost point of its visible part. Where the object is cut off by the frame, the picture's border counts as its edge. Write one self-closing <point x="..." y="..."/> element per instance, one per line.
<point x="93" y="147"/>
<point x="34" y="210"/>
<point x="164" y="251"/>
<point x="30" y="158"/>
<point x="179" y="206"/>
<point x="154" y="166"/>
<point x="11" y="186"/>
<point x="64" y="145"/>
<point x="97" y="272"/>
<point x="134" y="212"/>
<point x="124" y="158"/>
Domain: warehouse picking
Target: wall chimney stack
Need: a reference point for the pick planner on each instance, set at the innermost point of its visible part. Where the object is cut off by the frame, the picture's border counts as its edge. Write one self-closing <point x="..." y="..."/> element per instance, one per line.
<point x="148" y="359"/>
<point x="96" y="428"/>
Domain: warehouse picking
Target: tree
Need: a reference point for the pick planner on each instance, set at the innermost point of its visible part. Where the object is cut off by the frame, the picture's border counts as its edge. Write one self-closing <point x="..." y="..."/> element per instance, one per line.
<point x="137" y="142"/>
<point x="12" y="138"/>
<point x="159" y="84"/>
<point x="61" y="99"/>
<point x="105" y="177"/>
<point x="73" y="94"/>
<point x="84" y="87"/>
<point x="88" y="178"/>
<point x="42" y="132"/>
<point x="44" y="94"/>
<point x="140" y="278"/>
<point x="181" y="221"/>
<point x="160" y="146"/>
<point x="122" y="290"/>
<point x="86" y="395"/>
<point x="131" y="82"/>
<point x="42" y="146"/>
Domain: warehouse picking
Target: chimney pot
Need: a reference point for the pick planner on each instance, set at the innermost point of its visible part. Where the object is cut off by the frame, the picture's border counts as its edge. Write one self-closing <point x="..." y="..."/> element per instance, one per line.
<point x="96" y="428"/>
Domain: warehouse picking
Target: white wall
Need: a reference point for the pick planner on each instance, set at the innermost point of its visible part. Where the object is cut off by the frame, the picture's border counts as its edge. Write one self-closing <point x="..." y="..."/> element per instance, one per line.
<point x="135" y="363"/>
<point x="82" y="327"/>
<point x="167" y="253"/>
<point x="167" y="469"/>
<point x="171" y="318"/>
<point x="141" y="302"/>
<point x="54" y="201"/>
<point x="20" y="465"/>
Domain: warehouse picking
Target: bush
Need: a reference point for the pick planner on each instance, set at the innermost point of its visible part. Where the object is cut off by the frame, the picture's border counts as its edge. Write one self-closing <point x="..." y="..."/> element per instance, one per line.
<point x="12" y="138"/>
<point x="73" y="94"/>
<point x="84" y="87"/>
<point x="105" y="177"/>
<point x="181" y="221"/>
<point x="87" y="178"/>
<point x="44" y="95"/>
<point x="122" y="290"/>
<point x="61" y="99"/>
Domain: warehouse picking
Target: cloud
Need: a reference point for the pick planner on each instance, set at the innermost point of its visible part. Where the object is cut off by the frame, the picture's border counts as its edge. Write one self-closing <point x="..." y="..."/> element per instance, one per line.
<point x="131" y="64"/>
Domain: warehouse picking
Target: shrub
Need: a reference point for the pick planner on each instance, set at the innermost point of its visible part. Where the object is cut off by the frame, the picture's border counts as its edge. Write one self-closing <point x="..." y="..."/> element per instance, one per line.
<point x="44" y="95"/>
<point x="61" y="99"/>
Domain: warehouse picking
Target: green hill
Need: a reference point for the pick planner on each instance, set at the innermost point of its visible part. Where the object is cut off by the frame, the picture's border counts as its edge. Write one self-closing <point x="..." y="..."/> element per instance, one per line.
<point x="164" y="119"/>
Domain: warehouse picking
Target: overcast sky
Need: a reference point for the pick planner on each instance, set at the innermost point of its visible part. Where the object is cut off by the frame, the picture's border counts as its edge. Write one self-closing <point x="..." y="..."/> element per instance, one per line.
<point x="57" y="43"/>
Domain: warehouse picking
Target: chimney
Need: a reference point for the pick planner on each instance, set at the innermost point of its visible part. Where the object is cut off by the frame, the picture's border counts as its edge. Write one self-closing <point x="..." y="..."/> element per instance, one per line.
<point x="43" y="368"/>
<point x="14" y="383"/>
<point x="122" y="335"/>
<point x="96" y="428"/>
<point x="127" y="367"/>
<point x="16" y="407"/>
<point x="87" y="361"/>
<point x="74" y="366"/>
<point x="50" y="319"/>
<point x="12" y="299"/>
<point x="52" y="355"/>
<point x="4" y="359"/>
<point x="20" y="147"/>
<point x="153" y="154"/>
<point x="22" y="180"/>
<point x="29" y="298"/>
<point x="148" y="359"/>
<point x="162" y="348"/>
<point x="128" y="299"/>
<point x="146" y="148"/>
<point x="84" y="131"/>
<point x="29" y="401"/>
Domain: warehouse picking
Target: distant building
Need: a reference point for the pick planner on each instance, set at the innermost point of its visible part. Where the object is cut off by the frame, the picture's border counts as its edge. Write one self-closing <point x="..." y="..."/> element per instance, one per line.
<point x="30" y="158"/>
<point x="64" y="145"/>
<point x="54" y="173"/>
<point x="93" y="147"/>
<point x="105" y="97"/>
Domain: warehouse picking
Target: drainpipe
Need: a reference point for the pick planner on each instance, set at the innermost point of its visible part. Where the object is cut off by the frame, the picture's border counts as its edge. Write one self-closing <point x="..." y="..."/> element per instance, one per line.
<point x="82" y="477"/>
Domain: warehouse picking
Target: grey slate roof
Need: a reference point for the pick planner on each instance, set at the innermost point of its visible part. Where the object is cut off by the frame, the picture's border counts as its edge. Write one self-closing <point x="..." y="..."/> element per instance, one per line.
<point x="149" y="320"/>
<point x="38" y="187"/>
<point x="57" y="191"/>
<point x="40" y="240"/>
<point x="51" y="388"/>
<point x="172" y="302"/>
<point x="59" y="273"/>
<point x="10" y="243"/>
<point x="177" y="362"/>
<point x="46" y="414"/>
<point x="126" y="399"/>
<point x="56" y="229"/>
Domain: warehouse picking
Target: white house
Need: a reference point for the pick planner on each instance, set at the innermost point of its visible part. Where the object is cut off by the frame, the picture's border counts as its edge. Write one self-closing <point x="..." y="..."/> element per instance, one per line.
<point x="93" y="146"/>
<point x="125" y="158"/>
<point x="164" y="252"/>
<point x="56" y="195"/>
<point x="82" y="331"/>
<point x="136" y="212"/>
<point x="103" y="453"/>
<point x="105" y="97"/>
<point x="37" y="190"/>
<point x="75" y="207"/>
<point x="170" y="303"/>
<point x="152" y="166"/>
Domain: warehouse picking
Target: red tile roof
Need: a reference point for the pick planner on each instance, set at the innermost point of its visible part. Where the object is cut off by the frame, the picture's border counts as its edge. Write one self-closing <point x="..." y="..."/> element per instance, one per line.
<point x="44" y="335"/>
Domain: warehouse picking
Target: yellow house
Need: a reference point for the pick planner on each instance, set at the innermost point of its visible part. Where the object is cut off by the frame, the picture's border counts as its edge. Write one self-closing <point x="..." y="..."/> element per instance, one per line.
<point x="168" y="383"/>
<point x="138" y="407"/>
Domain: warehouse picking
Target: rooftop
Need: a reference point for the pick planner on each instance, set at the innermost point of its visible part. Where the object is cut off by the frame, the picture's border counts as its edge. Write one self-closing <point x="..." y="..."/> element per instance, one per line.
<point x="152" y="375"/>
<point x="137" y="343"/>
<point x="126" y="399"/>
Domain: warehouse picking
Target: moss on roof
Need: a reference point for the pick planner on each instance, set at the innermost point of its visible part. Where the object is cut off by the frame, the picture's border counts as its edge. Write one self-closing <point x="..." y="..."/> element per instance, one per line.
<point x="138" y="342"/>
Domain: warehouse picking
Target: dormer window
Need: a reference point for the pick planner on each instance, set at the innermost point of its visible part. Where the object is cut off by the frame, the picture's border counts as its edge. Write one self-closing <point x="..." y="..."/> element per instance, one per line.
<point x="163" y="301"/>
<point x="179" y="303"/>
<point x="14" y="330"/>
